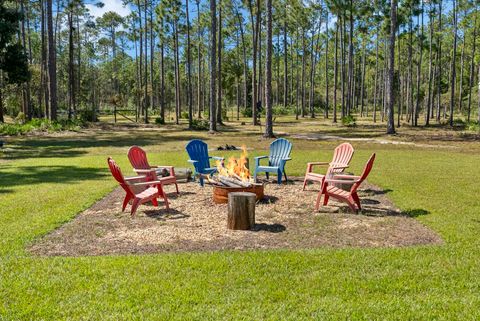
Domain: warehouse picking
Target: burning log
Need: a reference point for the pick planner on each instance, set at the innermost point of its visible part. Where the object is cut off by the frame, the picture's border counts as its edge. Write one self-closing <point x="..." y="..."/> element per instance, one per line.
<point x="230" y="182"/>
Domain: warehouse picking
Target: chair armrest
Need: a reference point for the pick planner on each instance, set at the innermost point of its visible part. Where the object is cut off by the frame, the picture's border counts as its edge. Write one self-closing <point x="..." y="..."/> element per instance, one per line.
<point x="133" y="178"/>
<point x="192" y="161"/>
<point x="150" y="170"/>
<point x="146" y="183"/>
<point x="286" y="159"/>
<point x="349" y="177"/>
<point x="217" y="158"/>
<point x="318" y="163"/>
<point x="341" y="181"/>
<point x="257" y="160"/>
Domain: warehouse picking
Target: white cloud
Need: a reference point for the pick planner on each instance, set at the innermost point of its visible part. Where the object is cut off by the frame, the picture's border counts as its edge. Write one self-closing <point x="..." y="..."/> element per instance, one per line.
<point x="110" y="5"/>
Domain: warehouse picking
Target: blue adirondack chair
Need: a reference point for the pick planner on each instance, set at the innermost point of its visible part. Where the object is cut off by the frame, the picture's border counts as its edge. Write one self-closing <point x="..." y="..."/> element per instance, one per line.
<point x="198" y="152"/>
<point x="279" y="154"/>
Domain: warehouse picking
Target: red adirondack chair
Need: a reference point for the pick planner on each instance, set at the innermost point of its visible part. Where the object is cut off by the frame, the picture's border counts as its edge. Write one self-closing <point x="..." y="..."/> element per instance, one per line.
<point x="341" y="158"/>
<point x="350" y="197"/>
<point x="138" y="189"/>
<point x="138" y="159"/>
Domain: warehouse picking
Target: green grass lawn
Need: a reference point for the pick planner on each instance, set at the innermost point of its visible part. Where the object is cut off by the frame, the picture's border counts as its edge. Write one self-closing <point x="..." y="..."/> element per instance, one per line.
<point x="46" y="181"/>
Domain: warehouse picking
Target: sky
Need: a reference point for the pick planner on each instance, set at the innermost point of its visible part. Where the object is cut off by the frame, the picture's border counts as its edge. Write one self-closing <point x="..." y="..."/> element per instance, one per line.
<point x="109" y="5"/>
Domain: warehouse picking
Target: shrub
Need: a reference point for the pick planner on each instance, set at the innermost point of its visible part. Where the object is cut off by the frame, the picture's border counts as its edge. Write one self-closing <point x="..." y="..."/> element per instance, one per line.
<point x="20" y="119"/>
<point x="247" y="112"/>
<point x="87" y="115"/>
<point x="184" y="115"/>
<point x="159" y="121"/>
<point x="349" y="121"/>
<point x="200" y="124"/>
<point x="38" y="124"/>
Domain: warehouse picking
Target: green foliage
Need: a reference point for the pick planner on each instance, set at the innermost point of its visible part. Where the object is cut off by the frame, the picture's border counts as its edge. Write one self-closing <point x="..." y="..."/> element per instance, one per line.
<point x="349" y="121"/>
<point x="247" y="112"/>
<point x="159" y="121"/>
<point x="87" y="116"/>
<point x="184" y="115"/>
<point x="37" y="124"/>
<point x="200" y="124"/>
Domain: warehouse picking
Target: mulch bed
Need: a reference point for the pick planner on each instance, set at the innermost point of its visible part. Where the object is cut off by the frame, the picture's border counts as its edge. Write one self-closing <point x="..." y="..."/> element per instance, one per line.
<point x="285" y="219"/>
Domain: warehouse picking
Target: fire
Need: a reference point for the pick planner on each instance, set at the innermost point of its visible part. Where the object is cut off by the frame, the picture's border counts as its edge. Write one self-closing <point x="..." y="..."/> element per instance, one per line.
<point x="236" y="168"/>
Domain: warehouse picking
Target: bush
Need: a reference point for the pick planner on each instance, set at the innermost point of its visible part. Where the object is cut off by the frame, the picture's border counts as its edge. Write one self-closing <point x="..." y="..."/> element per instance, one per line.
<point x="38" y="124"/>
<point x="247" y="112"/>
<point x="349" y="121"/>
<point x="87" y="115"/>
<point x="200" y="124"/>
<point x="20" y="119"/>
<point x="184" y="115"/>
<point x="473" y="126"/>
<point x="159" y="121"/>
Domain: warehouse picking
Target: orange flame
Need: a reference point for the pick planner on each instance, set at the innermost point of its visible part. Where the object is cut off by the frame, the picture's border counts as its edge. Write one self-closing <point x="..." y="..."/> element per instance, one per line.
<point x="236" y="167"/>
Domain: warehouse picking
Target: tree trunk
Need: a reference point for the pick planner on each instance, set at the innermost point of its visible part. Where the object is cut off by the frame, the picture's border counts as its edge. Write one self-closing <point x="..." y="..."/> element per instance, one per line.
<point x="430" y="59"/>
<point x="362" y="83"/>
<point x="268" y="75"/>
<point x="419" y="74"/>
<point x="472" y="67"/>
<point x="245" y="63"/>
<point x="189" y="70"/>
<point x="52" y="65"/>
<point x="460" y="80"/>
<point x="241" y="210"/>
<point x="285" y="60"/>
<point x="375" y="88"/>
<point x="145" y="88"/>
<point x="199" y="63"/>
<point x="325" y="113"/>
<point x="303" y="73"/>
<point x="213" y="64"/>
<point x="335" y="74"/>
<point x="453" y="69"/>
<point x="391" y="69"/>
<point x="439" y="59"/>
<point x="219" y="64"/>
<point x="71" y="77"/>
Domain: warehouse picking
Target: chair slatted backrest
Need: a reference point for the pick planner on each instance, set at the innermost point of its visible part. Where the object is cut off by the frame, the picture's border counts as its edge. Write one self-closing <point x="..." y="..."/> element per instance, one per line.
<point x="341" y="156"/>
<point x="198" y="151"/>
<point x="279" y="149"/>
<point x="138" y="158"/>
<point x="117" y="174"/>
<point x="366" y="171"/>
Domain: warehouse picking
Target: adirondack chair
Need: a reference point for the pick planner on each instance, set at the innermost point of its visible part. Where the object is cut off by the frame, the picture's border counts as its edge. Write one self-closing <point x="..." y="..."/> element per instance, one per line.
<point x="349" y="197"/>
<point x="198" y="152"/>
<point x="138" y="159"/>
<point x="138" y="189"/>
<point x="341" y="158"/>
<point x="279" y="154"/>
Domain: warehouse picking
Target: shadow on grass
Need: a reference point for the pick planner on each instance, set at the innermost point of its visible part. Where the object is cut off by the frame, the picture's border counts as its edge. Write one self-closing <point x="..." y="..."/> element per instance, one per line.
<point x="70" y="147"/>
<point x="415" y="212"/>
<point x="31" y="175"/>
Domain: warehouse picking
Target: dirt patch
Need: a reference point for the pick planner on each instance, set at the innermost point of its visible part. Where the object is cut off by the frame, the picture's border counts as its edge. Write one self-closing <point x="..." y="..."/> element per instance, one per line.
<point x="285" y="219"/>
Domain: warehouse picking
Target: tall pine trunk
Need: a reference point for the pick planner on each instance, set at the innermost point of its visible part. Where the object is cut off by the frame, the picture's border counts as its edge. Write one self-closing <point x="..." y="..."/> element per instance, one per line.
<point x="453" y="67"/>
<point x="268" y="74"/>
<point x="213" y="64"/>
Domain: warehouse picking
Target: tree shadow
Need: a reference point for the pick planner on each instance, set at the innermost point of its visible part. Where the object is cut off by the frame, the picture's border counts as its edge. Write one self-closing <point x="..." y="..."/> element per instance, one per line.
<point x="370" y="191"/>
<point x="415" y="212"/>
<point x="31" y="175"/>
<point x="272" y="228"/>
<point x="268" y="199"/>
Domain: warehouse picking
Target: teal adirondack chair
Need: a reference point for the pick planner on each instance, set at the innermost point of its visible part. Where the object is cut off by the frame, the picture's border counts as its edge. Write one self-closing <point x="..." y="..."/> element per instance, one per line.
<point x="198" y="152"/>
<point x="279" y="155"/>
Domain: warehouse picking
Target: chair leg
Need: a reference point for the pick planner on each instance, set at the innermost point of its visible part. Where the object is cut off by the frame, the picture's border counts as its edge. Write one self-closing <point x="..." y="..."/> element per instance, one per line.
<point x="279" y="177"/>
<point x="285" y="173"/>
<point x="154" y="202"/>
<point x="255" y="175"/>
<point x="165" y="199"/>
<point x="125" y="202"/>
<point x="317" y="203"/>
<point x="200" y="179"/>
<point x="176" y="186"/>
<point x="267" y="175"/>
<point x="304" y="182"/>
<point x="356" y="199"/>
<point x="135" y="204"/>
<point x="325" y="200"/>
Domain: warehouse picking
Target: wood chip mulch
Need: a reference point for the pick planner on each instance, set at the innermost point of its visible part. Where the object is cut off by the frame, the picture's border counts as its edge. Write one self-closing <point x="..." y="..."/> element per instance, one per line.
<point x="285" y="219"/>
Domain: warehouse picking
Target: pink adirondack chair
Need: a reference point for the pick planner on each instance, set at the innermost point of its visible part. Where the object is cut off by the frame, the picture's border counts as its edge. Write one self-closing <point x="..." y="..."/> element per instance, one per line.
<point x="138" y="189"/>
<point x="349" y="197"/>
<point x="138" y="158"/>
<point x="341" y="158"/>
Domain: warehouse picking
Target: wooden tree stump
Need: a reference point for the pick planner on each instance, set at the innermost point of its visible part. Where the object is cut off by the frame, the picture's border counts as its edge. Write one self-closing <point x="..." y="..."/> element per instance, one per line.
<point x="241" y="210"/>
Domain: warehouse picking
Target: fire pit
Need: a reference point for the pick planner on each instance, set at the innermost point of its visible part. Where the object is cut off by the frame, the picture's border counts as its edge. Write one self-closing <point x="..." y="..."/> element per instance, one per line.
<point x="220" y="193"/>
<point x="234" y="176"/>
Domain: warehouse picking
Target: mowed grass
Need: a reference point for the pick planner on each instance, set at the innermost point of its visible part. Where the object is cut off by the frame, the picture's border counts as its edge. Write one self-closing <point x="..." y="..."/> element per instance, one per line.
<point x="47" y="181"/>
